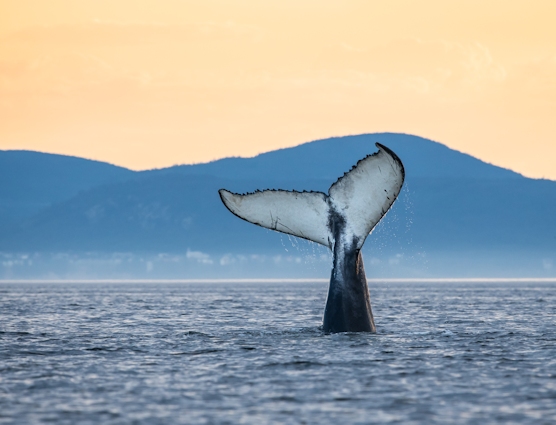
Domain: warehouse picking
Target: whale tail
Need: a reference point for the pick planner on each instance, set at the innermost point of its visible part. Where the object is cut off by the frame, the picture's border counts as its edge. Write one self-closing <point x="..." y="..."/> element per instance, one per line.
<point x="358" y="200"/>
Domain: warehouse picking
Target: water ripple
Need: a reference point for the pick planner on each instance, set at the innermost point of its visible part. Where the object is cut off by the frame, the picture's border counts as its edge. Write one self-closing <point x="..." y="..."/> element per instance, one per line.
<point x="256" y="353"/>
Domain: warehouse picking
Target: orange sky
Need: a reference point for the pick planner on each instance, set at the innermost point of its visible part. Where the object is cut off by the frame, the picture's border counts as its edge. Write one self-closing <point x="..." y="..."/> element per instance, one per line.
<point x="153" y="83"/>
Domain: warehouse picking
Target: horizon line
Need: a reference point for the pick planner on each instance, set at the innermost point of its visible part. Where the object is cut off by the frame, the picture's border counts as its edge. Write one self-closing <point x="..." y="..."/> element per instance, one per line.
<point x="291" y="280"/>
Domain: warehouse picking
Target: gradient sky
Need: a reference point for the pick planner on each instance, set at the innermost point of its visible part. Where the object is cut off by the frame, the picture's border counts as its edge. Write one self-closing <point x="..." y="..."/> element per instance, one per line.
<point x="150" y="83"/>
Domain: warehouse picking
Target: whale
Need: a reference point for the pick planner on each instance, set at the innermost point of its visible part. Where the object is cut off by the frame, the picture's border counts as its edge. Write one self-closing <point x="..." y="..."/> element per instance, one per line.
<point x="341" y="220"/>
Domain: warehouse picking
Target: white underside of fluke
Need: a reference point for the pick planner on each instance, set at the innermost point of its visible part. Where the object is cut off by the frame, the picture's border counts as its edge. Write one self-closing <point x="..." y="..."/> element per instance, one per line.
<point x="360" y="197"/>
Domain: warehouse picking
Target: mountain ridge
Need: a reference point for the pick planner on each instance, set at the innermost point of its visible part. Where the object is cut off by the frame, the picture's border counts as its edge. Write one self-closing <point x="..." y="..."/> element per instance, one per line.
<point x="358" y="145"/>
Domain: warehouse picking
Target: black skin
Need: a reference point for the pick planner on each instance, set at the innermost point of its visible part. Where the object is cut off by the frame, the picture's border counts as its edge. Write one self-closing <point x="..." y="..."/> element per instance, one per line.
<point x="348" y="306"/>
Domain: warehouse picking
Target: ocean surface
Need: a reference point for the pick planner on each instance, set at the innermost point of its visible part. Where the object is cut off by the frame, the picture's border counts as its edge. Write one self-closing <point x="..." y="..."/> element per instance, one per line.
<point x="254" y="353"/>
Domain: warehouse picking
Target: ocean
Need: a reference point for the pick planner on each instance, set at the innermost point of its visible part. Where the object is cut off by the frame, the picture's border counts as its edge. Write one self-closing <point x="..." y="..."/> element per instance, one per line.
<point x="254" y="353"/>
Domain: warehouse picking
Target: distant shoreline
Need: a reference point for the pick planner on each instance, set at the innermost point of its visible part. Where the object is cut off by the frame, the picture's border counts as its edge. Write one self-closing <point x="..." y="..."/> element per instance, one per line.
<point x="316" y="280"/>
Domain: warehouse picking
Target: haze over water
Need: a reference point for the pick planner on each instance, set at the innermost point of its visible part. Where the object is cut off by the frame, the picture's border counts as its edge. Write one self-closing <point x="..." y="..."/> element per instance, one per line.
<point x="254" y="353"/>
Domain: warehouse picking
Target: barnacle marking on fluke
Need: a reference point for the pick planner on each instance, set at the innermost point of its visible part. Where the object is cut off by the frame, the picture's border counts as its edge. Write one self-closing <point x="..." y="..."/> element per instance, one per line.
<point x="270" y="190"/>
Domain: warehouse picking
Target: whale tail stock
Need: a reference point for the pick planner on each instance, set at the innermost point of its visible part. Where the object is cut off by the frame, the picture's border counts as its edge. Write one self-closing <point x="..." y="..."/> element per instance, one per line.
<point x="340" y="220"/>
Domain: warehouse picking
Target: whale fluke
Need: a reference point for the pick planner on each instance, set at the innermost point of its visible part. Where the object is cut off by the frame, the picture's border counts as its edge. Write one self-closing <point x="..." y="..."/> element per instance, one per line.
<point x="340" y="220"/>
<point x="302" y="214"/>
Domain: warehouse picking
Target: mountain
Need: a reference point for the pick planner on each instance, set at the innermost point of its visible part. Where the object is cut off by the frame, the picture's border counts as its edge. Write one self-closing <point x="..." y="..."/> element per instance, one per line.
<point x="456" y="214"/>
<point x="329" y="158"/>
<point x="32" y="181"/>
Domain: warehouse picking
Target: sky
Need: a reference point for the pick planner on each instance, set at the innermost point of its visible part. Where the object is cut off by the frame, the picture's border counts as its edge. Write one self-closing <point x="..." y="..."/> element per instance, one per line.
<point x="154" y="83"/>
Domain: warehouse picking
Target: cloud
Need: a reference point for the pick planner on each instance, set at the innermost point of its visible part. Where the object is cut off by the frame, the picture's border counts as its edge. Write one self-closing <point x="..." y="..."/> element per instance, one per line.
<point x="199" y="257"/>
